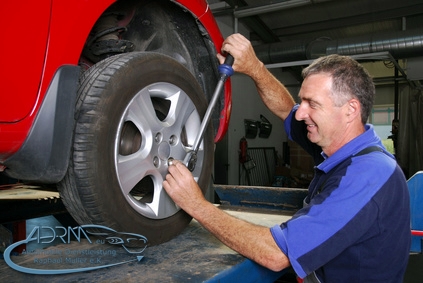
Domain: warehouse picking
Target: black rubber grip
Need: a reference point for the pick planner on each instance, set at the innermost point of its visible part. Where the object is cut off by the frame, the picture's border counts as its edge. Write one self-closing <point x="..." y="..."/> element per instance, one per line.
<point x="229" y="60"/>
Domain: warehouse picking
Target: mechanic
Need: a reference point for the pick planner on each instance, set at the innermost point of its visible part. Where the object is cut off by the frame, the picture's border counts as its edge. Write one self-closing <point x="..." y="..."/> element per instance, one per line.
<point x="355" y="223"/>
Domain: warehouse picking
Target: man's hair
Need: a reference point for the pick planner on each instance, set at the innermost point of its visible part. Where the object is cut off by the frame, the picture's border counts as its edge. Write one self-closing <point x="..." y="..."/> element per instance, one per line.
<point x="349" y="80"/>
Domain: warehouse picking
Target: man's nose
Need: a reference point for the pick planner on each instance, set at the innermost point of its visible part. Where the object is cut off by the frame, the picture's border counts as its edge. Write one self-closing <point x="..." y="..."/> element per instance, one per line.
<point x="301" y="113"/>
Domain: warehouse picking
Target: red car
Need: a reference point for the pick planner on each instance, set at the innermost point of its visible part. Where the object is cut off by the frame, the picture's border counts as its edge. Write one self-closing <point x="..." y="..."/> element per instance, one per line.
<point x="98" y="94"/>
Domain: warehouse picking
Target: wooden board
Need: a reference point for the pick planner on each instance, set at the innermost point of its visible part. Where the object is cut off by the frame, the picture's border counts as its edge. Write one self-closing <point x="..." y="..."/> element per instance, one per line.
<point x="26" y="192"/>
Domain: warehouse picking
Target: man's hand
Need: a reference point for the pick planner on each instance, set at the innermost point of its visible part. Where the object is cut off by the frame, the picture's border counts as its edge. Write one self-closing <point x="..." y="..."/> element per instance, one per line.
<point x="273" y="93"/>
<point x="241" y="49"/>
<point x="182" y="188"/>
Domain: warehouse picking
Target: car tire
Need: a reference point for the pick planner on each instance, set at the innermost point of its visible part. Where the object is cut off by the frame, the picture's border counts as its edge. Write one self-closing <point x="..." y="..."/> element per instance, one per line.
<point x="134" y="112"/>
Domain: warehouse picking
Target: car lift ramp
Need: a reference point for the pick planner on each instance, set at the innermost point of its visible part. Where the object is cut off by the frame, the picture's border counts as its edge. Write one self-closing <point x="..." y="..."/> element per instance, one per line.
<point x="19" y="202"/>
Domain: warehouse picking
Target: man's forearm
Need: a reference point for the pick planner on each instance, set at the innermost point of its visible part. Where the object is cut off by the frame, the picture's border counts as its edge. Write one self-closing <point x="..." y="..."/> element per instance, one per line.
<point x="252" y="241"/>
<point x="273" y="93"/>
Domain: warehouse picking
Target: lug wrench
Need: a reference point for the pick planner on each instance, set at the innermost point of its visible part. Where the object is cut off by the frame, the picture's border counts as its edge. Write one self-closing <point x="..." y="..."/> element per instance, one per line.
<point x="225" y="71"/>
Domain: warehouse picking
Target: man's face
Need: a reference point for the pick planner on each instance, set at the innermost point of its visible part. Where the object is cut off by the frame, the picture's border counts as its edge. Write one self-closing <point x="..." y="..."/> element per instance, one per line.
<point x="326" y="123"/>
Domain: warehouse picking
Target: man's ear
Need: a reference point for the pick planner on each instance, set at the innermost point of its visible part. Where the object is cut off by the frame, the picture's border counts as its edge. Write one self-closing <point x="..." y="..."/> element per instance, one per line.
<point x="354" y="109"/>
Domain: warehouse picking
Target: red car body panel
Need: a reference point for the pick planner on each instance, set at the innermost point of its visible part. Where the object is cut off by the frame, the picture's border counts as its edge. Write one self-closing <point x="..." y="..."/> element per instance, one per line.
<point x="22" y="93"/>
<point x="44" y="38"/>
<point x="43" y="35"/>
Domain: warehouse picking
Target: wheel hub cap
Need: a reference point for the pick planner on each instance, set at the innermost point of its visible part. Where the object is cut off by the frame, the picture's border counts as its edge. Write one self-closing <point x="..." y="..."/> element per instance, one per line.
<point x="164" y="151"/>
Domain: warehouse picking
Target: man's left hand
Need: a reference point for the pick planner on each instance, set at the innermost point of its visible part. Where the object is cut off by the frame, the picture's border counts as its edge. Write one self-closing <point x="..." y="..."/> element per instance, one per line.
<point x="182" y="188"/>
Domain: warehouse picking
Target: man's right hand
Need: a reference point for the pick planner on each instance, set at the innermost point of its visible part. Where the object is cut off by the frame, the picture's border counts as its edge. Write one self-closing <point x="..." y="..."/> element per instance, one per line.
<point x="273" y="93"/>
<point x="240" y="48"/>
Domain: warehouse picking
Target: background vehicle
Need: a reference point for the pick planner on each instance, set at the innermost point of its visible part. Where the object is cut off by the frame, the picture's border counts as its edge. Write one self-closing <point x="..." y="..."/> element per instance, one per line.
<point x="99" y="94"/>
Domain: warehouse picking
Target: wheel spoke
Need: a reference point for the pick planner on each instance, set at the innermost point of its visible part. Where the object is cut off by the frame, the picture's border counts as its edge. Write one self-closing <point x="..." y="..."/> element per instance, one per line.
<point x="131" y="169"/>
<point x="141" y="113"/>
<point x="180" y="110"/>
<point x="162" y="205"/>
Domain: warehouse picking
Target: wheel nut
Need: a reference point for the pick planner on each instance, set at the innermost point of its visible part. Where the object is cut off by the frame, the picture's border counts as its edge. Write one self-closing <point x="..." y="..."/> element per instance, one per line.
<point x="173" y="140"/>
<point x="156" y="161"/>
<point x="158" y="138"/>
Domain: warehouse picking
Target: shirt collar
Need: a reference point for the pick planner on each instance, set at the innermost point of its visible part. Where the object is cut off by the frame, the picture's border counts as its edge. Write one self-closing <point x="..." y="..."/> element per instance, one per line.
<point x="366" y="139"/>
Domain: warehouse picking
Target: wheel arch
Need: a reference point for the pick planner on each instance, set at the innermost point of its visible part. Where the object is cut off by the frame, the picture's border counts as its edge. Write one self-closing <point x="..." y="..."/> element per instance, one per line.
<point x="167" y="27"/>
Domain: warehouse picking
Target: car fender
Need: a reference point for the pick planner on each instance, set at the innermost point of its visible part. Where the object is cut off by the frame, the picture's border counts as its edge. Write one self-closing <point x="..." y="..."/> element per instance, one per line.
<point x="200" y="9"/>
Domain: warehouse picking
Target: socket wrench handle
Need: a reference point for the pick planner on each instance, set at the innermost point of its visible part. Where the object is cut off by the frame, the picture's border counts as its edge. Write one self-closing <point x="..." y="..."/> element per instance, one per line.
<point x="225" y="71"/>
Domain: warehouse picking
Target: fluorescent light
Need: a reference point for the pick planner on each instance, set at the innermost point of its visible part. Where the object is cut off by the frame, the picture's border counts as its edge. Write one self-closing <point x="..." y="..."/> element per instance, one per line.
<point x="245" y="12"/>
<point x="379" y="56"/>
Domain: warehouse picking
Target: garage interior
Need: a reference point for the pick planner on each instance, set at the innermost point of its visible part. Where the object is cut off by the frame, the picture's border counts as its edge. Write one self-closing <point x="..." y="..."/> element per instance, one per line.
<point x="386" y="36"/>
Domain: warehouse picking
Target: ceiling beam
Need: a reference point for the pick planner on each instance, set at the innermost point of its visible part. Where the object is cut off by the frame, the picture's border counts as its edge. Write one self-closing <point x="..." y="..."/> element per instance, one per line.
<point x="342" y="21"/>
<point x="254" y="23"/>
<point x="262" y="9"/>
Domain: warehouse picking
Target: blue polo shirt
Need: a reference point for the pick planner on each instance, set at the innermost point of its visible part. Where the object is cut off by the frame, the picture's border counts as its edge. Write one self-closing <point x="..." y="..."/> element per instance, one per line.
<point x="356" y="225"/>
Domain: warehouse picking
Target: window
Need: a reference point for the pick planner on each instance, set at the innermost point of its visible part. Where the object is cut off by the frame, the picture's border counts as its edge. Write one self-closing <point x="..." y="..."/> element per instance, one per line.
<point x="382" y="115"/>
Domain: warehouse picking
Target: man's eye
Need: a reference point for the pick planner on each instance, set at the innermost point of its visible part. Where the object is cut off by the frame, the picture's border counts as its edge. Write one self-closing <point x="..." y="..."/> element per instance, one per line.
<point x="313" y="104"/>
